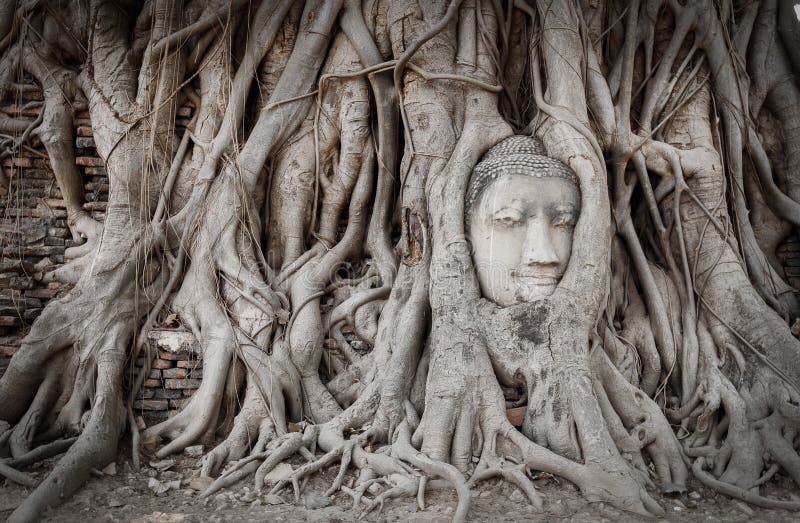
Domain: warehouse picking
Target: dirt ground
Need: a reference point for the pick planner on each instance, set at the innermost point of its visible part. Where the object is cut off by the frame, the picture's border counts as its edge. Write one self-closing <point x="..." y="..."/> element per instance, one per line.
<point x="122" y="495"/>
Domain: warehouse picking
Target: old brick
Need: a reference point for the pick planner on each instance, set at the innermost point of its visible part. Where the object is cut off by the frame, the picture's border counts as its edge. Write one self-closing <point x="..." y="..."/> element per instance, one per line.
<point x="89" y="161"/>
<point x="154" y="374"/>
<point x="516" y="416"/>
<point x="151" y="404"/>
<point x="156" y="415"/>
<point x="34" y="234"/>
<point x="16" y="282"/>
<point x="178" y="404"/>
<point x="6" y="350"/>
<point x="164" y="355"/>
<point x="42" y="250"/>
<point x="175" y="373"/>
<point x="146" y="394"/>
<point x="22" y="109"/>
<point x="190" y="364"/>
<point x="84" y="141"/>
<point x="166" y="394"/>
<point x="18" y="266"/>
<point x="84" y="130"/>
<point x="54" y="203"/>
<point x="41" y="211"/>
<point x="9" y="321"/>
<point x="791" y="246"/>
<point x="18" y="161"/>
<point x="45" y="294"/>
<point x="151" y="384"/>
<point x="58" y="232"/>
<point x="792" y="261"/>
<point x="53" y="241"/>
<point x="181" y="384"/>
<point x="10" y="309"/>
<point x="95" y="206"/>
<point x="159" y="363"/>
<point x="188" y="392"/>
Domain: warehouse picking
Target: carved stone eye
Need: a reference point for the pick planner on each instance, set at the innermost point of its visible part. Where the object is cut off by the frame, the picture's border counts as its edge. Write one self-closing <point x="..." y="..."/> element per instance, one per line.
<point x="564" y="220"/>
<point x="507" y="218"/>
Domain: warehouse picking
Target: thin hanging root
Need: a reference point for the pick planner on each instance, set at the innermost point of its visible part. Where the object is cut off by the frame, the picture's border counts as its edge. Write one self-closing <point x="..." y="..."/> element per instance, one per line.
<point x="737" y="492"/>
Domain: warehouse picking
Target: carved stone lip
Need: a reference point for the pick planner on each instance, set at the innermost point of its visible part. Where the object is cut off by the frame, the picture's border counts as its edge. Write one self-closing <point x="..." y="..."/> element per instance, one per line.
<point x="536" y="279"/>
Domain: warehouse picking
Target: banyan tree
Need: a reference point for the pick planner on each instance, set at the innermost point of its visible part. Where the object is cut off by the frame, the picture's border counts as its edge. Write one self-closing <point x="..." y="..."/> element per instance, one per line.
<point x="571" y="206"/>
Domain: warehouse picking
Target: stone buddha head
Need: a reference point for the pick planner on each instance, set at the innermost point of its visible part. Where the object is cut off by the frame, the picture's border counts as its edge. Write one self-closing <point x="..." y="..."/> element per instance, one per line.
<point x="521" y="209"/>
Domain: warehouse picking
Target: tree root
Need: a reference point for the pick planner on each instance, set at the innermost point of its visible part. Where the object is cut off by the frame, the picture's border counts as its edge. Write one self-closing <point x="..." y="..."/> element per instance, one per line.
<point x="275" y="453"/>
<point x="737" y="492"/>
<point x="16" y="476"/>
<point x="54" y="448"/>
<point x="491" y="466"/>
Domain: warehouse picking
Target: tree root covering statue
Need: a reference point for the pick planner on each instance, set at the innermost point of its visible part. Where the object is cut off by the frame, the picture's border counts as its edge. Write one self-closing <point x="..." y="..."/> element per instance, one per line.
<point x="508" y="203"/>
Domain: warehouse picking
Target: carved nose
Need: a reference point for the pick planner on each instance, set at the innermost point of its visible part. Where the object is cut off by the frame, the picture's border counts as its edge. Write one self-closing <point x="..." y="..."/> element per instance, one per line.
<point x="538" y="248"/>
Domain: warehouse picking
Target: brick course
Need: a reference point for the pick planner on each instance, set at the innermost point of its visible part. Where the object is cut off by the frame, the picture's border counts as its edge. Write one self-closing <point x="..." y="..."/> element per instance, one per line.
<point x="34" y="236"/>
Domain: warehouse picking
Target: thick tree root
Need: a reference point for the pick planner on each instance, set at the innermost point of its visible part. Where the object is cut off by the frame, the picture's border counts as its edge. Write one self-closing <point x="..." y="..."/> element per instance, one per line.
<point x="738" y="492"/>
<point x="16" y="476"/>
<point x="54" y="448"/>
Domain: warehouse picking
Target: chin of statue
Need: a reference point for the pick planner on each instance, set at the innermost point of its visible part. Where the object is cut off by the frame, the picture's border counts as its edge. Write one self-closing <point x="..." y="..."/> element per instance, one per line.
<point x="530" y="292"/>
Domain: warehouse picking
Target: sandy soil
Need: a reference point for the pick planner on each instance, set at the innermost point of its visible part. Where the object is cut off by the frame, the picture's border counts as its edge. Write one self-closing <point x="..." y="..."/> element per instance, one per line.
<point x="129" y="496"/>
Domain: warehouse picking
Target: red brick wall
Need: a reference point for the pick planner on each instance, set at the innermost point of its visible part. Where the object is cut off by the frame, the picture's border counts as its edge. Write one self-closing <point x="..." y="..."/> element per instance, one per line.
<point x="789" y="255"/>
<point x="173" y="379"/>
<point x="34" y="236"/>
<point x="33" y="225"/>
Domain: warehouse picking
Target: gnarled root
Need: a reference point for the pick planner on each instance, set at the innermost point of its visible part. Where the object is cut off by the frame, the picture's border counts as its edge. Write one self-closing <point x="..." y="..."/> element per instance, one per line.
<point x="644" y="422"/>
<point x="97" y="443"/>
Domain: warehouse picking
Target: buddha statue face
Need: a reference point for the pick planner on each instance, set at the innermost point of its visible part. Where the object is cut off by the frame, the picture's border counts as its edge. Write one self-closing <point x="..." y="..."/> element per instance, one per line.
<point x="521" y="212"/>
